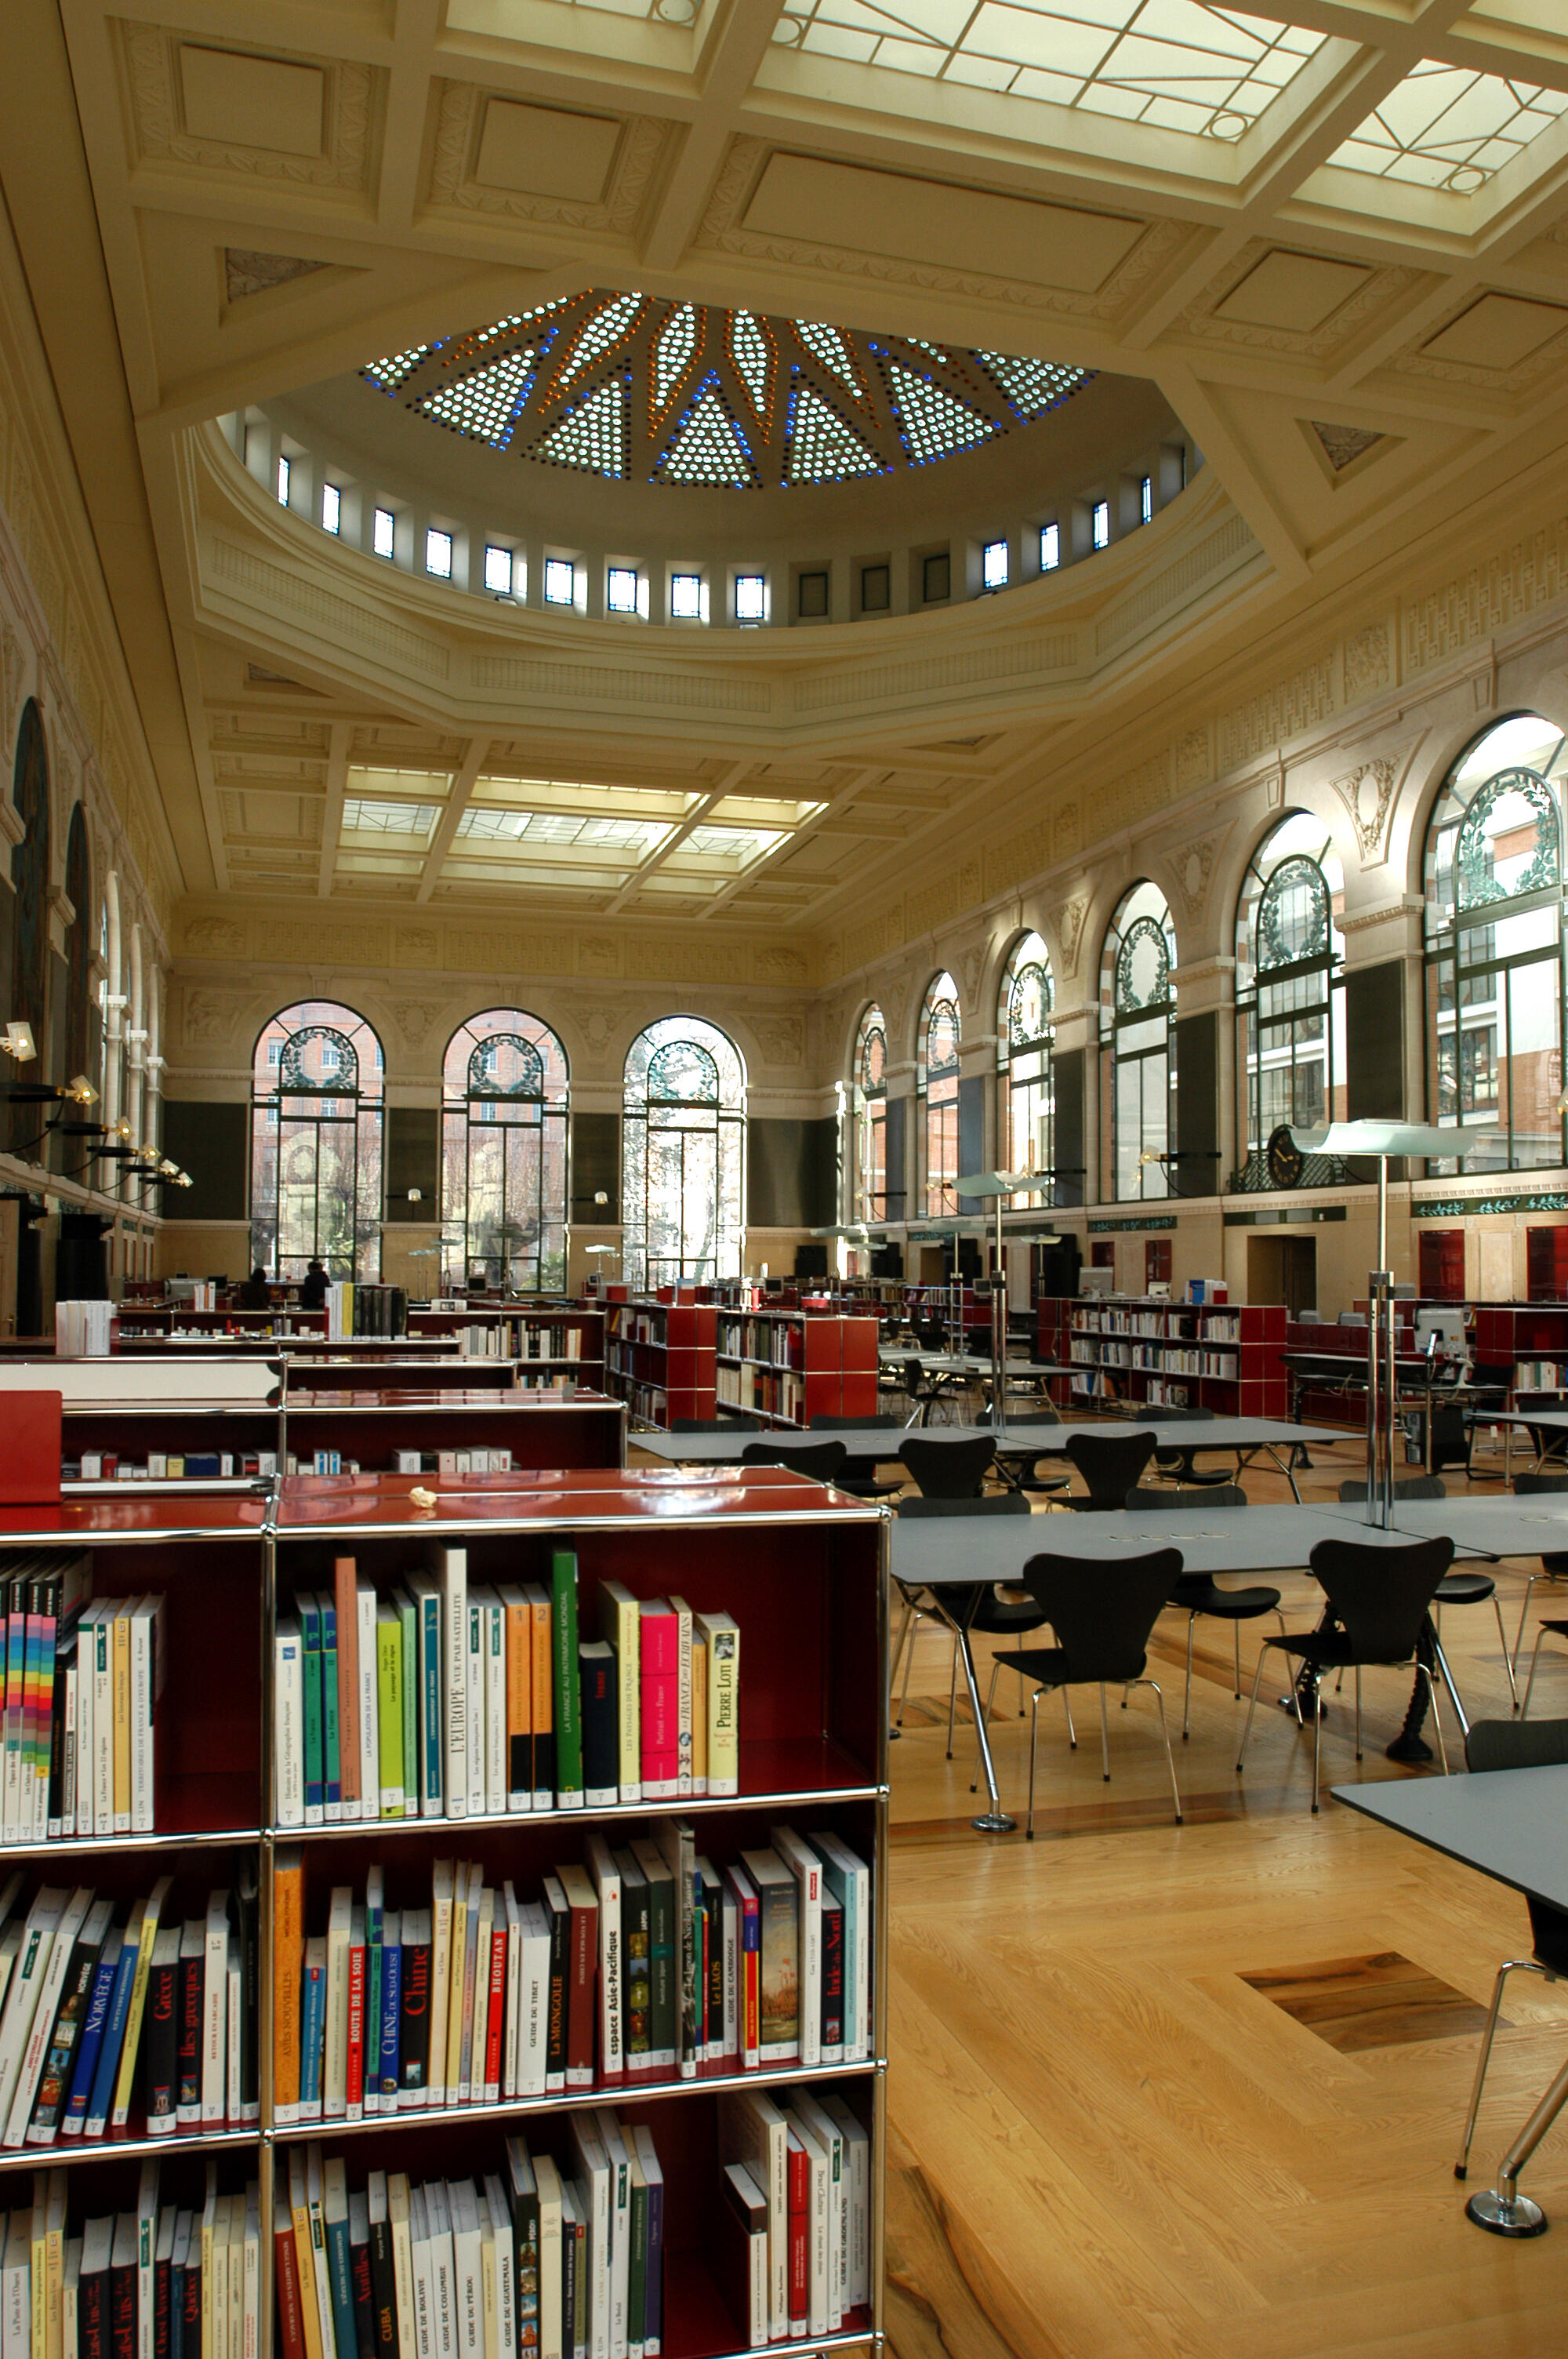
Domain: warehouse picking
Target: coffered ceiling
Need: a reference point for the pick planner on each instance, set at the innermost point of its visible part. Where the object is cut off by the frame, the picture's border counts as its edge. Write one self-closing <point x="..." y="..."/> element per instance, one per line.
<point x="1335" y="241"/>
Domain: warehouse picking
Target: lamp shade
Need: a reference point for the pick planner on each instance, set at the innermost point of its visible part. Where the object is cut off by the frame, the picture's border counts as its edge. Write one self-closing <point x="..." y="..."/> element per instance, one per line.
<point x="995" y="1183"/>
<point x="1379" y="1138"/>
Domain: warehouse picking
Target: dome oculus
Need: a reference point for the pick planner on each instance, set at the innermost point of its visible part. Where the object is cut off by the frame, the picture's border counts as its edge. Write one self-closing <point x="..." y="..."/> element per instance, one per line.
<point x="642" y="389"/>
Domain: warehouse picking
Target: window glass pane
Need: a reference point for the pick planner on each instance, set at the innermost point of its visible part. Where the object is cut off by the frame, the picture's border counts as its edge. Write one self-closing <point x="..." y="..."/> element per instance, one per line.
<point x="620" y="592"/>
<point x="560" y="582"/>
<point x="382" y="524"/>
<point x="284" y="472"/>
<point x="750" y="597"/>
<point x="993" y="565"/>
<point x="1101" y="523"/>
<point x="498" y="571"/>
<point x="503" y="1179"/>
<point x="438" y="554"/>
<point x="1050" y="548"/>
<point x="683" y="1151"/>
<point x="685" y="597"/>
<point x="316" y="1143"/>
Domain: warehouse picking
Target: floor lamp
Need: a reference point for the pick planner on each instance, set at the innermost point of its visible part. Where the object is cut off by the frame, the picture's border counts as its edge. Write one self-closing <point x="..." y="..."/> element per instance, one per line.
<point x="996" y="1185"/>
<point x="1380" y="1141"/>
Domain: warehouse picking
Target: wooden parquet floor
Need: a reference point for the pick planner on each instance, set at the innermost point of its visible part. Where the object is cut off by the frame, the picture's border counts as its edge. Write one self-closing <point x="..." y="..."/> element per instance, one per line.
<point x="1106" y="2142"/>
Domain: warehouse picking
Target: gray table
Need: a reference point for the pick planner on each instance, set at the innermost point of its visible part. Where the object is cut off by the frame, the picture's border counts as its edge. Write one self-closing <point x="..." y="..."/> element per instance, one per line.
<point x="1512" y="1825"/>
<point x="965" y="1554"/>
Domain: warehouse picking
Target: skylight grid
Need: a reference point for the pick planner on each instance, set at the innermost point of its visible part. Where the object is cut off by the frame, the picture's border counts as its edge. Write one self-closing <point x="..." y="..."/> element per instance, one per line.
<point x="638" y="835"/>
<point x="484" y="402"/>
<point x="1181" y="65"/>
<point x="1450" y="127"/>
<point x="734" y="842"/>
<point x="365" y="816"/>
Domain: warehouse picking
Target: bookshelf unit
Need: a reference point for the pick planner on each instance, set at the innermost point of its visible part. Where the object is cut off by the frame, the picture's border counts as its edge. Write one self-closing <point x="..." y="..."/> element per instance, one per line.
<point x="660" y="1359"/>
<point x="1530" y="1339"/>
<point x="565" y="1338"/>
<point x="789" y="1366"/>
<point x="802" y="1570"/>
<point x="1145" y="1353"/>
<point x="540" y="1430"/>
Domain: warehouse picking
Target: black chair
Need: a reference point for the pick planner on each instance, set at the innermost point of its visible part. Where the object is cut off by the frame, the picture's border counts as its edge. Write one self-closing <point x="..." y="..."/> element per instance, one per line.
<point x="737" y="1424"/>
<point x="979" y="1608"/>
<point x="1454" y="1588"/>
<point x="922" y="1389"/>
<point x="1553" y="1566"/>
<point x="820" y="1460"/>
<point x="1199" y="1592"/>
<point x="947" y="1470"/>
<point x="1502" y="1744"/>
<point x="1102" y="1617"/>
<point x="1549" y="1629"/>
<point x="1453" y="1436"/>
<point x="863" y="1486"/>
<point x="1176" y="1465"/>
<point x="1111" y="1464"/>
<point x="1377" y="1600"/>
<point x="1028" y="1478"/>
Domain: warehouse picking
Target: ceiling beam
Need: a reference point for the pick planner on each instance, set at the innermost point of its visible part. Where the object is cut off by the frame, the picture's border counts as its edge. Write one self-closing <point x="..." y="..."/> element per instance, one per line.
<point x="332" y="816"/>
<point x="447" y="826"/>
<point x="730" y="58"/>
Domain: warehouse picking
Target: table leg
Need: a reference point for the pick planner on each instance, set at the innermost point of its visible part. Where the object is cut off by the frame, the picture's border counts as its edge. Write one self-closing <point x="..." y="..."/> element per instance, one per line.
<point x="994" y="1821"/>
<point x="1502" y="2210"/>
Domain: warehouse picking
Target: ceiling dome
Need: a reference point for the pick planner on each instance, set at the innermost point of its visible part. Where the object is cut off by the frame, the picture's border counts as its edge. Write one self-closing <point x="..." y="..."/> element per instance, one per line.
<point x="638" y="388"/>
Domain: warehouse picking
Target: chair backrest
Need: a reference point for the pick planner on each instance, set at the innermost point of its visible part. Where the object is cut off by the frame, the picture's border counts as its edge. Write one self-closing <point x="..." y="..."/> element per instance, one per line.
<point x="821" y="1460"/>
<point x="1006" y="1503"/>
<point x="1102" y="1614"/>
<point x="1218" y="1494"/>
<point x="715" y="1425"/>
<point x="1525" y="1483"/>
<point x="1379" y="1595"/>
<point x="1415" y="1487"/>
<point x="1168" y="1415"/>
<point x="914" y="1376"/>
<point x="947" y="1470"/>
<point x="827" y="1418"/>
<point x="1110" y="1463"/>
<point x="1515" y="1745"/>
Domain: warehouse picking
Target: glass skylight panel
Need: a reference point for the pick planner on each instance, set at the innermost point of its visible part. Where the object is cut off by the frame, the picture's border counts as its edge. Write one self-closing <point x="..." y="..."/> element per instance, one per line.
<point x="1182" y="65"/>
<point x="822" y="448"/>
<point x="931" y="422"/>
<point x="831" y="348"/>
<point x="685" y="597"/>
<point x="621" y="590"/>
<point x="438" y="553"/>
<point x="752" y="353"/>
<point x="592" y="437"/>
<point x="672" y="351"/>
<point x="331" y="509"/>
<point x="743" y="844"/>
<point x="391" y="373"/>
<point x="560" y="582"/>
<point x="1032" y="387"/>
<point x="365" y="816"/>
<point x="709" y="448"/>
<point x="603" y="330"/>
<point x="498" y="571"/>
<point x="484" y="403"/>
<point x="1450" y="127"/>
<point x="640" y="836"/>
<point x="384" y="526"/>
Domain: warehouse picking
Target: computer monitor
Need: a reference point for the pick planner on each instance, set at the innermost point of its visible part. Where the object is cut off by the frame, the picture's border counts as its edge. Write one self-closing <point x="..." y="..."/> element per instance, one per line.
<point x="1448" y="1326"/>
<point x="1096" y="1281"/>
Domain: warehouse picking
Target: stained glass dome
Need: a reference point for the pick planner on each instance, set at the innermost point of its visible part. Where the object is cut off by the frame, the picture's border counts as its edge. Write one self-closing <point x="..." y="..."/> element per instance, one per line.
<point x="640" y="389"/>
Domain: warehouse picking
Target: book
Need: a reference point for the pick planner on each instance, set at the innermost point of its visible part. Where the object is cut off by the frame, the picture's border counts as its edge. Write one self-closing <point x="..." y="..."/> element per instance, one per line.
<point x="288" y="1962"/>
<point x="740" y="2256"/>
<point x="659" y="1700"/>
<point x="751" y="2130"/>
<point x="389" y="1653"/>
<point x="582" y="1964"/>
<point x="721" y="1634"/>
<point x="215" y="2009"/>
<point x="619" y="1623"/>
<point x="807" y="1869"/>
<point x="451" y="1572"/>
<point x="163" y="2033"/>
<point x="598" y="1694"/>
<point x="345" y="1616"/>
<point x="778" y="1902"/>
<point x="568" y="1727"/>
<point x="606" y="1877"/>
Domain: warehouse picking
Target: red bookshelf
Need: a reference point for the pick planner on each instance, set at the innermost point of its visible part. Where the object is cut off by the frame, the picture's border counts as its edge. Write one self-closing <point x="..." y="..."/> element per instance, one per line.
<point x="789" y="1366"/>
<point x="660" y="1358"/>
<point x="1223" y="1356"/>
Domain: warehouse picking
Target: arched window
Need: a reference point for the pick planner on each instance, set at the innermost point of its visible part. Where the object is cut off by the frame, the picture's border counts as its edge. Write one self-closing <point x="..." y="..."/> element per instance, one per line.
<point x="684" y="1147"/>
<point x="936" y="1080"/>
<point x="1493" y="946"/>
<point x="1290" y="982"/>
<point x="870" y="1098"/>
<point x="316" y="1144"/>
<point x="503" y="1151"/>
<point x="1025" y="1043"/>
<point x="78" y="1057"/>
<point x="1138" y="1065"/>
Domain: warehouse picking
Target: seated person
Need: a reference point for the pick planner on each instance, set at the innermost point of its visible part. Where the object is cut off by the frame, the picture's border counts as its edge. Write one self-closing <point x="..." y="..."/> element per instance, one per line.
<point x="253" y="1293"/>
<point x="313" y="1287"/>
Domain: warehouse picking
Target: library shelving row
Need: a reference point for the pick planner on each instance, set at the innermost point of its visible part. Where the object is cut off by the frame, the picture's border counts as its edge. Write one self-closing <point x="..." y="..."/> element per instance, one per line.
<point x="566" y="1337"/>
<point x="789" y="1366"/>
<point x="1223" y="1356"/>
<point x="802" y="1569"/>
<point x="660" y="1358"/>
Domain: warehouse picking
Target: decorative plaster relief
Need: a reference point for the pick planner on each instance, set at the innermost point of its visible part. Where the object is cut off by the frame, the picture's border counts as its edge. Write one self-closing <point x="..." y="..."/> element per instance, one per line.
<point x="209" y="1018"/>
<point x="460" y="113"/>
<point x="599" y="955"/>
<point x="782" y="967"/>
<point x="1194" y="871"/>
<point x="1065" y="926"/>
<point x="152" y="80"/>
<point x="414" y="1019"/>
<point x="1486" y="597"/>
<point x="1281" y="713"/>
<point x="1367" y="660"/>
<point x="214" y="938"/>
<point x="415" y="946"/>
<point x="1195" y="759"/>
<point x="575" y="683"/>
<point x="781" y="1038"/>
<point x="340" y="618"/>
<point x="1368" y="794"/>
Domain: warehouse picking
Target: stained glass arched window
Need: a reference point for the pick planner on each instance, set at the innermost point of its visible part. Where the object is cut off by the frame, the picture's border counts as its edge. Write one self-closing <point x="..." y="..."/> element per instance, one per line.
<point x="318" y="1091"/>
<point x="1290" y="982"/>
<point x="684" y="1151"/>
<point x="1138" y="1064"/>
<point x="1026" y="1043"/>
<point x="504" y="1151"/>
<point x="1494" y="911"/>
<point x="937" y="1082"/>
<point x="869" y="1097"/>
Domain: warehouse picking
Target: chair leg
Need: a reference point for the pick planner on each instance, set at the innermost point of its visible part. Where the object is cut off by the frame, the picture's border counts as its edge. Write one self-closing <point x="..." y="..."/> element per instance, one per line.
<point x="1104" y="1738"/>
<point x="1503" y="1641"/>
<point x="1165" y="1739"/>
<point x="1524" y="1616"/>
<point x="1436" y="1716"/>
<point x="1067" y="1708"/>
<point x="1316" y="1754"/>
<point x="904" y="1620"/>
<point x="1033" y="1740"/>
<point x="1457" y="1701"/>
<point x="1357" y="1711"/>
<point x="953" y="1695"/>
<point x="1514" y="1966"/>
<point x="990" y="1692"/>
<point x="1256" y="1676"/>
<point x="908" y="1667"/>
<point x="1236" y="1648"/>
<point x="1530" y="1683"/>
<point x="1187" y="1689"/>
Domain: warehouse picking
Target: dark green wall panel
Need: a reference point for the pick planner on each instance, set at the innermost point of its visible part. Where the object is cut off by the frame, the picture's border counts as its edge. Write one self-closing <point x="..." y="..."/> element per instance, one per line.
<point x="412" y="1160"/>
<point x="791" y="1168"/>
<point x="971" y="1126"/>
<point x="210" y="1139"/>
<point x="898" y="1157"/>
<point x="1197" y="1105"/>
<point x="1375" y="1043"/>
<point x="1070" y="1124"/>
<point x="596" y="1163"/>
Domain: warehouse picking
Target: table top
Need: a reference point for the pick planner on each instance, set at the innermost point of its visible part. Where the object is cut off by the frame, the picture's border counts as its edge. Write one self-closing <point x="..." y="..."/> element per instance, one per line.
<point x="1502" y="1527"/>
<point x="1554" y="1420"/>
<point x="1012" y="1441"/>
<point x="945" y="1550"/>
<point x="1511" y="1824"/>
<point x="977" y="1363"/>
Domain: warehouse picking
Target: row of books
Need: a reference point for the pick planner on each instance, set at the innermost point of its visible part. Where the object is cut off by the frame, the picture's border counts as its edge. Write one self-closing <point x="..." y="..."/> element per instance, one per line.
<point x="404" y="1462"/>
<point x="439" y="1700"/>
<point x="155" y="2283"/>
<point x="518" y="1339"/>
<point x="171" y="1466"/>
<point x="102" y="1695"/>
<point x="94" y="2014"/>
<point x="43" y="1592"/>
<point x="362" y="1310"/>
<point x="551" y="2256"/>
<point x="85" y="1330"/>
<point x="646" y="1961"/>
<point x="793" y="2225"/>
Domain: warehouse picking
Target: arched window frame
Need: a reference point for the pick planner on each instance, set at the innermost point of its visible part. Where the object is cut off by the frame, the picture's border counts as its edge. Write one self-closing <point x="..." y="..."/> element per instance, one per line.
<point x="1290" y="983"/>
<point x="1138" y="1058"/>
<point x="1026" y="1066"/>
<point x="1494" y="947"/>
<point x="936" y="1076"/>
<point x="684" y="1155"/>
<point x="869" y="1102"/>
<point x="316" y="1142"/>
<point x="504" y="1151"/>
